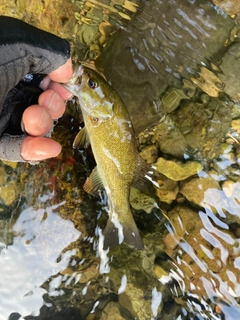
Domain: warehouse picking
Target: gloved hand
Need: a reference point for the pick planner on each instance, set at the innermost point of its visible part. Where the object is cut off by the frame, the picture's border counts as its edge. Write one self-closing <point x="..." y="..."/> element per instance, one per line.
<point x="30" y="102"/>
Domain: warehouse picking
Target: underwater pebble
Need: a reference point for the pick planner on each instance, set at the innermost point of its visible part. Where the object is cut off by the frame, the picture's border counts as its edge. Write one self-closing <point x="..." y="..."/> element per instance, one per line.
<point x="227" y="153"/>
<point x="142" y="140"/>
<point x="230" y="141"/>
<point x="236" y="125"/>
<point x="9" y="193"/>
<point x="180" y="200"/>
<point x="149" y="154"/>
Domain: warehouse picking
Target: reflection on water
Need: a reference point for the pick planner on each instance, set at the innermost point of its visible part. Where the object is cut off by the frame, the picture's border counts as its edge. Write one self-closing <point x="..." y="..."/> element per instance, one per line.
<point x="97" y="21"/>
<point x="32" y="258"/>
<point x="96" y="12"/>
<point x="169" y="60"/>
<point x="165" y="46"/>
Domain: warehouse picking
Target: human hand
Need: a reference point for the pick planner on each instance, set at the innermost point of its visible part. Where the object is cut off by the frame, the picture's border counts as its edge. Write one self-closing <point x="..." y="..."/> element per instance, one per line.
<point x="27" y="49"/>
<point x="37" y="119"/>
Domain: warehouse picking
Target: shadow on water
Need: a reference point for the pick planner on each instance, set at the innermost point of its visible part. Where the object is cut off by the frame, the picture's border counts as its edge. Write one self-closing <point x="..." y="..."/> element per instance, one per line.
<point x="175" y="65"/>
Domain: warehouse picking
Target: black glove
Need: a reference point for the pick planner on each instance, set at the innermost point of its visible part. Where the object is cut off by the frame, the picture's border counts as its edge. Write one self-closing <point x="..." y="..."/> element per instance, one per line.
<point x="24" y="50"/>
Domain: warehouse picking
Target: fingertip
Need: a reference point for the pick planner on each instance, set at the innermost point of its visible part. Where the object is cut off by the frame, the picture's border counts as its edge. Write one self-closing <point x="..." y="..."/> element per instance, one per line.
<point x="39" y="148"/>
<point x="37" y="121"/>
<point x="63" y="92"/>
<point x="63" y="73"/>
<point x="53" y="102"/>
<point x="45" y="83"/>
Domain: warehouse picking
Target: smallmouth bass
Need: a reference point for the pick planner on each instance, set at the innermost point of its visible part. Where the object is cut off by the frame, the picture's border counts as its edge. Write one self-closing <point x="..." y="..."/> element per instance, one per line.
<point x="108" y="128"/>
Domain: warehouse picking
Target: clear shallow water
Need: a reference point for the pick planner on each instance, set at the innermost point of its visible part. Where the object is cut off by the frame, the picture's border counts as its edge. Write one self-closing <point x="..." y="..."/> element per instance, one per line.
<point x="32" y="258"/>
<point x="51" y="266"/>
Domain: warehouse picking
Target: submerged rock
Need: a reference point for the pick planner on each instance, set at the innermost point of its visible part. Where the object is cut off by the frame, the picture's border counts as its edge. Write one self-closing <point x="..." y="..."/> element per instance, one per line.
<point x="209" y="82"/>
<point x="167" y="190"/>
<point x="141" y="201"/>
<point x="172" y="98"/>
<point x="230" y="66"/>
<point x="194" y="130"/>
<point x="85" y="274"/>
<point x="177" y="170"/>
<point x="163" y="44"/>
<point x="194" y="189"/>
<point x="231" y="7"/>
<point x="115" y="311"/>
<point x="183" y="220"/>
<point x="149" y="154"/>
<point x="9" y="193"/>
<point x="201" y="255"/>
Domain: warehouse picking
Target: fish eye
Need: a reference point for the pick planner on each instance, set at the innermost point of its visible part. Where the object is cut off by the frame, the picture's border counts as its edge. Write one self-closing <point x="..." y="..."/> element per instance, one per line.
<point x="92" y="84"/>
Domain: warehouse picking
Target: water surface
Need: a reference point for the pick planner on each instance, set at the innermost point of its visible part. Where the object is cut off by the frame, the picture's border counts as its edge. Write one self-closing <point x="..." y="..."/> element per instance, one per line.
<point x="169" y="61"/>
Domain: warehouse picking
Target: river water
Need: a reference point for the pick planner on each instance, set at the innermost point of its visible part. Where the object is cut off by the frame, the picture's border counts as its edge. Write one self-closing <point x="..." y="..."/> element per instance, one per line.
<point x="176" y="67"/>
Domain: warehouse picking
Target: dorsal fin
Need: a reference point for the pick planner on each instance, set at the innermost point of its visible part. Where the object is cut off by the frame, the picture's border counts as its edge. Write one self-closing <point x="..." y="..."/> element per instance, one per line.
<point x="145" y="176"/>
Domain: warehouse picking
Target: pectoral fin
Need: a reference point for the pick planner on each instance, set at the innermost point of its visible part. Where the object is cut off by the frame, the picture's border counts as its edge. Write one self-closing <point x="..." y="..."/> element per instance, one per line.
<point x="81" y="140"/>
<point x="94" y="183"/>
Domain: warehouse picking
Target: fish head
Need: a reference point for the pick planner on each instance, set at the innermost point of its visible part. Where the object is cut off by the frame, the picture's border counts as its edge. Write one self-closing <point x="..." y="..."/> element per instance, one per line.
<point x="93" y="93"/>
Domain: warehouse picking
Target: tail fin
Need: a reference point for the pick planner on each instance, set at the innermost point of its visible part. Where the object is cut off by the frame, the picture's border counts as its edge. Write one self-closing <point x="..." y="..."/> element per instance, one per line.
<point x="122" y="231"/>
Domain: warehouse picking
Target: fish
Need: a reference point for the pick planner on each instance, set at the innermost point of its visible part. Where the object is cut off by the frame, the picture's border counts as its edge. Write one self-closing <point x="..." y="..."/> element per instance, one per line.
<point x="109" y="131"/>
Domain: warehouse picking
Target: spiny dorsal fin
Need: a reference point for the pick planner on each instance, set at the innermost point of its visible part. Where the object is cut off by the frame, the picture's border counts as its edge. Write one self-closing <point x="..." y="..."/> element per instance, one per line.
<point x="81" y="140"/>
<point x="145" y="176"/>
<point x="94" y="183"/>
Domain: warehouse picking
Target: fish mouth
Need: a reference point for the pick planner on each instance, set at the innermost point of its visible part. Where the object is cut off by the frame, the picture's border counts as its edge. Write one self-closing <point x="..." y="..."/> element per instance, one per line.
<point x="76" y="78"/>
<point x="77" y="75"/>
<point x="75" y="81"/>
<point x="79" y="81"/>
<point x="78" y="70"/>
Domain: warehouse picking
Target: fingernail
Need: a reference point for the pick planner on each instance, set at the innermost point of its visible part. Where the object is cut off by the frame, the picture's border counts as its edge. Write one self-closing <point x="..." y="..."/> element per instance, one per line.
<point x="22" y="126"/>
<point x="39" y="148"/>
